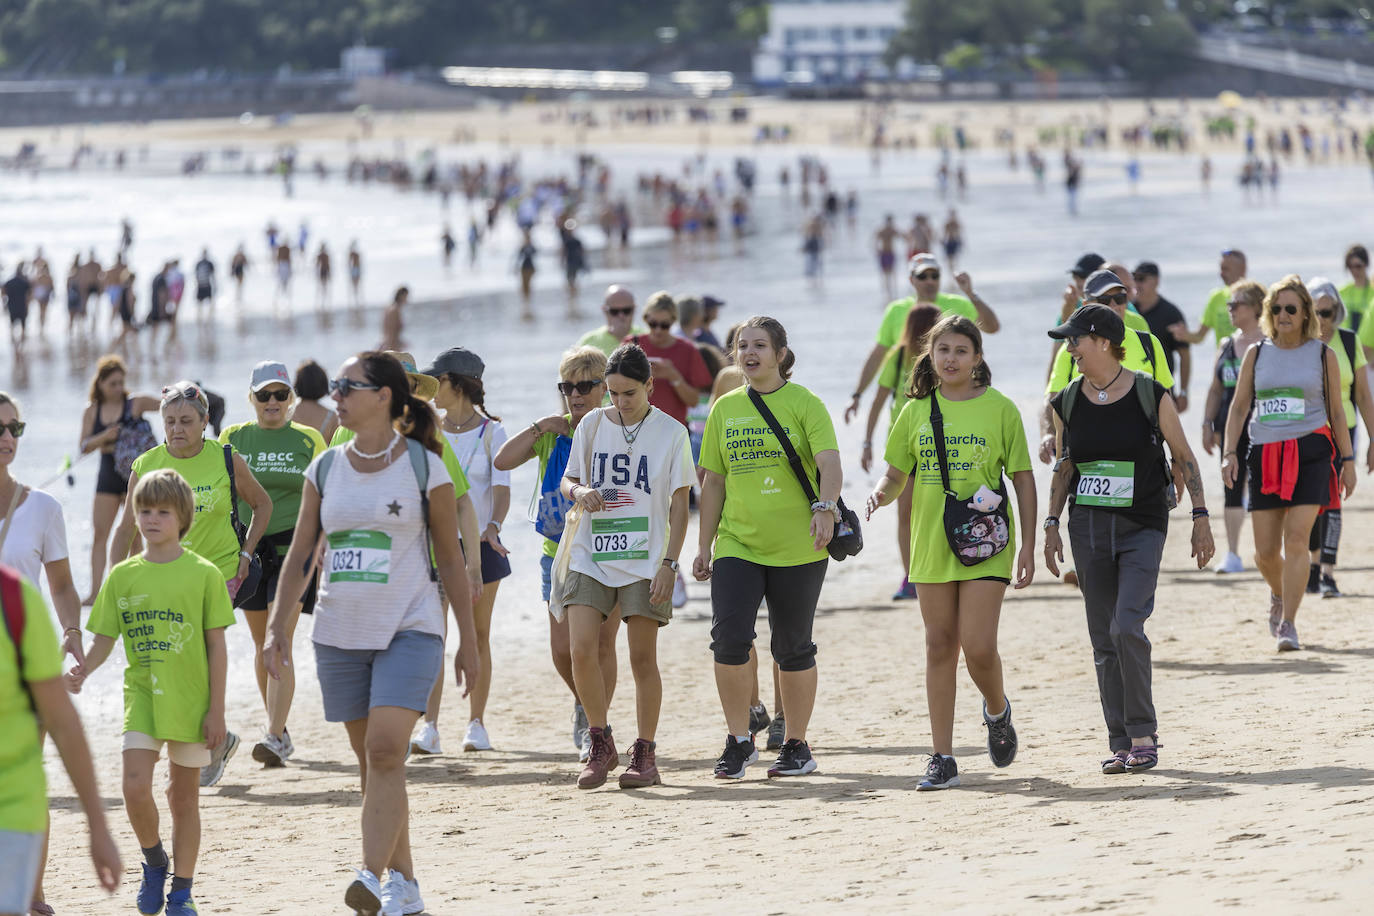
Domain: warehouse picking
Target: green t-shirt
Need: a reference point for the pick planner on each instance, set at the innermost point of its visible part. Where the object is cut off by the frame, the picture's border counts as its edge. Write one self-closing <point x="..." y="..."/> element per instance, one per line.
<point x="895" y="378"/>
<point x="23" y="791"/>
<point x="767" y="517"/>
<point x="1216" y="316"/>
<point x="1365" y="333"/>
<point x="604" y="340"/>
<point x="162" y="611"/>
<point x="1136" y="361"/>
<point x="984" y="439"/>
<point x="894" y="319"/>
<point x="278" y="459"/>
<point x="1356" y="299"/>
<point x="212" y="532"/>
<point x="543" y="448"/>
<point x="1348" y="375"/>
<point x="449" y="456"/>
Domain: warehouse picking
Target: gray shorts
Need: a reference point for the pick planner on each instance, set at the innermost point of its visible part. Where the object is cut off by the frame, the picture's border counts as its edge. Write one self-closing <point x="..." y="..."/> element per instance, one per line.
<point x="19" y="876"/>
<point x="580" y="588"/>
<point x="353" y="681"/>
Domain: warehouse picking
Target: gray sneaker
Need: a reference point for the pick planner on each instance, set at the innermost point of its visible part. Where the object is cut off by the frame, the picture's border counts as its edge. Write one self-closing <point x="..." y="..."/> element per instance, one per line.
<point x="1288" y="637"/>
<point x="580" y="726"/>
<point x="211" y="773"/>
<point x="777" y="731"/>
<point x="1275" y="614"/>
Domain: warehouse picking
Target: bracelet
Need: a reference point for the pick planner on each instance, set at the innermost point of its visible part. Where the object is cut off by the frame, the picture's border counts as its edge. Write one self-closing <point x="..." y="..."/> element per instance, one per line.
<point x="534" y="428"/>
<point x="71" y="630"/>
<point x="246" y="555"/>
<point x="1345" y="458"/>
<point x="1229" y="454"/>
<point x="1200" y="512"/>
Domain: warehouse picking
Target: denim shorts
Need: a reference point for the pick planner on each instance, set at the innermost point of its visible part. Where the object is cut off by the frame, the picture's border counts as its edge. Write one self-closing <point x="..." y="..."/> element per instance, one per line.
<point x="546" y="575"/>
<point x="353" y="681"/>
<point x="18" y="878"/>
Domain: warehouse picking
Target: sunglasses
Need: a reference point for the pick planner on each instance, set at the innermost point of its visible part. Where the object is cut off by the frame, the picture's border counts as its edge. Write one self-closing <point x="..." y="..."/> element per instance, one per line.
<point x="278" y="394"/>
<point x="1326" y="313"/>
<point x="190" y="392"/>
<point x="15" y="427"/>
<point x="1112" y="299"/>
<point x="928" y="275"/>
<point x="660" y="325"/>
<point x="1072" y="340"/>
<point x="1235" y="303"/>
<point x="1290" y="309"/>
<point x="583" y="387"/>
<point x="343" y="387"/>
<point x="621" y="312"/>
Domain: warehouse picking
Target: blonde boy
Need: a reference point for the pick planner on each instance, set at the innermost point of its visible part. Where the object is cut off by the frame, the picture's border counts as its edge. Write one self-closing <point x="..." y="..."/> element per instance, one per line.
<point x="171" y="608"/>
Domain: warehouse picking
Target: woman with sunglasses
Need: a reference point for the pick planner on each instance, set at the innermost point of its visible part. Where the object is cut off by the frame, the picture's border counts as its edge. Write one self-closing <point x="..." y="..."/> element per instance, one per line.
<point x="379" y="621"/>
<point x="110" y="410"/>
<point x="680" y="374"/>
<point x="33" y="541"/>
<point x="1244" y="304"/>
<point x="1326" y="531"/>
<point x="202" y="464"/>
<point x="277" y="451"/>
<point x="1297" y="430"/>
<point x="1359" y="292"/>
<point x="582" y="385"/>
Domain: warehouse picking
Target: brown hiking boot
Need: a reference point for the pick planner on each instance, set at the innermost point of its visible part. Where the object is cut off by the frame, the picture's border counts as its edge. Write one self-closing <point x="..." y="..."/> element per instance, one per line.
<point x="601" y="761"/>
<point x="642" y="771"/>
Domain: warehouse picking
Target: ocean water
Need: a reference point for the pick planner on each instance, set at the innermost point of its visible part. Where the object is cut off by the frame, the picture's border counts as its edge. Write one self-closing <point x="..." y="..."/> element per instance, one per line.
<point x="1019" y="243"/>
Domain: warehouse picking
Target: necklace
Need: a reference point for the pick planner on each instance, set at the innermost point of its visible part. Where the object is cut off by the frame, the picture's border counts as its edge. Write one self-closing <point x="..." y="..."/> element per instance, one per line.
<point x="1102" y="392"/>
<point x="630" y="435"/>
<point x="458" y="427"/>
<point x="386" y="452"/>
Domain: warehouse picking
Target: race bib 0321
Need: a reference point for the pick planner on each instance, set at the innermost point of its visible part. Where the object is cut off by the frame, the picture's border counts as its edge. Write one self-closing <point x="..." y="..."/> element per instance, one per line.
<point x="359" y="556"/>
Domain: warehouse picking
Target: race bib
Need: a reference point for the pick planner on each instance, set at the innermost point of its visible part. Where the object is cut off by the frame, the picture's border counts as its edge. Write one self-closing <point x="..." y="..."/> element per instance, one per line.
<point x="1106" y="483"/>
<point x="359" y="556"/>
<point x="620" y="538"/>
<point x="1276" y="405"/>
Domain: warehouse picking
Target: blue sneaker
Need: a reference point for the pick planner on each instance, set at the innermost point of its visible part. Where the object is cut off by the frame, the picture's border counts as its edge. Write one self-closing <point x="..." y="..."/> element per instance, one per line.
<point x="179" y="903"/>
<point x="153" y="890"/>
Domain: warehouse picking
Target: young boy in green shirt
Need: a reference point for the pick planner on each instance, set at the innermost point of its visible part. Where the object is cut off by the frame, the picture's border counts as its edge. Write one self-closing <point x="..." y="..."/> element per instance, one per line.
<point x="171" y="608"/>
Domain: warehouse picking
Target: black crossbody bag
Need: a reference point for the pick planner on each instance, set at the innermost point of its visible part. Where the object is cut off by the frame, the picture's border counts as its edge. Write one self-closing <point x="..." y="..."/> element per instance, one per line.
<point x="973" y="536"/>
<point x="848" y="539"/>
<point x="249" y="586"/>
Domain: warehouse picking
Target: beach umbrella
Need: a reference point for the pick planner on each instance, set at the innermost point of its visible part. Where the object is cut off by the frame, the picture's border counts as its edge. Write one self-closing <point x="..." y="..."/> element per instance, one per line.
<point x="1230" y="98"/>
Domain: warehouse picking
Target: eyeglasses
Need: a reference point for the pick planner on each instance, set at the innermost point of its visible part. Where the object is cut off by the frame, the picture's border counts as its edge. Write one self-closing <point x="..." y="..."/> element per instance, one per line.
<point x="621" y="312"/>
<point x="1072" y="340"/>
<point x="268" y="394"/>
<point x="583" y="387"/>
<point x="928" y="275"/>
<point x="343" y="387"/>
<point x="1290" y="309"/>
<point x="15" y="427"/>
<point x="1326" y="313"/>
<point x="1112" y="299"/>
<point x="660" y="325"/>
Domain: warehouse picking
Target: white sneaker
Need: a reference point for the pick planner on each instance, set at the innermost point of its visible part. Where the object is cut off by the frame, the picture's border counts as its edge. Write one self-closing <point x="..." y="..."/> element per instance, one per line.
<point x="288" y="747"/>
<point x="401" y="897"/>
<point x="270" y="751"/>
<point x="364" y="895"/>
<point x="427" y="742"/>
<point x="1231" y="563"/>
<point x="679" y="591"/>
<point x="219" y="756"/>
<point x="476" y="739"/>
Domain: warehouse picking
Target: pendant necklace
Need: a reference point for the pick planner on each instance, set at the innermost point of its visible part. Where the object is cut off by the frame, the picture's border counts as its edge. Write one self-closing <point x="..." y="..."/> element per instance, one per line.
<point x="630" y="435"/>
<point x="386" y="452"/>
<point x="1102" y="392"/>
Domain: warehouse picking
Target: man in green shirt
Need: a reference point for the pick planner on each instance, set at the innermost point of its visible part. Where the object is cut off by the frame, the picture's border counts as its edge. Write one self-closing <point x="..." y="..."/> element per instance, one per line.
<point x="1214" y="316"/>
<point x="924" y="271"/>
<point x="619" y="309"/>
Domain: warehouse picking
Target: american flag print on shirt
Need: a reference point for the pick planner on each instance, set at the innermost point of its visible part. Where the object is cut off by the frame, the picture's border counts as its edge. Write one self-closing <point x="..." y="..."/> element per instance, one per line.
<point x="615" y="498"/>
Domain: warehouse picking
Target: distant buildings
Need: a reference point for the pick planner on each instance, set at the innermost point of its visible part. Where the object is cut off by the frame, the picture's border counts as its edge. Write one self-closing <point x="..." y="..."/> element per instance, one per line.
<point x="830" y="42"/>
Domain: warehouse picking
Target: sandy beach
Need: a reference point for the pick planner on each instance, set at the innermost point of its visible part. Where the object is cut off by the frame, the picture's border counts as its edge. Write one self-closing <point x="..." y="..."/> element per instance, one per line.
<point x="1262" y="800"/>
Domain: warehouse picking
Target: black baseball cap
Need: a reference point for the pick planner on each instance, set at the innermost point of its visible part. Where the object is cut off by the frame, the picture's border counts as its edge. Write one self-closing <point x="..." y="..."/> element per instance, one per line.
<point x="1100" y="282"/>
<point x="711" y="302"/>
<point x="1087" y="264"/>
<point x="1146" y="268"/>
<point x="1092" y="319"/>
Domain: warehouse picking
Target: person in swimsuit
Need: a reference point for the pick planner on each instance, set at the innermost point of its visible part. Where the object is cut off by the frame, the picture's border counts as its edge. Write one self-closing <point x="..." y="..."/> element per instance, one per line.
<point x="237" y="268"/>
<point x="324" y="270"/>
<point x="355" y="275"/>
<point x="886" y="239"/>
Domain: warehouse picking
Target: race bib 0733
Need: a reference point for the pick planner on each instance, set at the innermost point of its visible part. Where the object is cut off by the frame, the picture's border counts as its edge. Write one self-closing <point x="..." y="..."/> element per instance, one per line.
<point x="1106" y="483"/>
<point x="620" y="538"/>
<point x="359" y="556"/>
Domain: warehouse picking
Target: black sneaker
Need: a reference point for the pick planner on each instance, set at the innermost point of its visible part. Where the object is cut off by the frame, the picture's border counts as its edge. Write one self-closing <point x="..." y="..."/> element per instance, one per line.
<point x="777" y="731"/>
<point x="736" y="758"/>
<point x="793" y="760"/>
<point x="941" y="773"/>
<point x="758" y="719"/>
<point x="1314" y="578"/>
<point x="1001" y="737"/>
<point x="1328" y="587"/>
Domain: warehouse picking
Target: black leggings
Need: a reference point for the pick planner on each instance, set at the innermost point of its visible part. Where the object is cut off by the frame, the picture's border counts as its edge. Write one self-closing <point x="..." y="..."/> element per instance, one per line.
<point x="1326" y="530"/>
<point x="738" y="587"/>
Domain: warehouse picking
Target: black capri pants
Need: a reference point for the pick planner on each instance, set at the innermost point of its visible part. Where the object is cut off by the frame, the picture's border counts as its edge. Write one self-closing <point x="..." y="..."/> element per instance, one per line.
<point x="738" y="587"/>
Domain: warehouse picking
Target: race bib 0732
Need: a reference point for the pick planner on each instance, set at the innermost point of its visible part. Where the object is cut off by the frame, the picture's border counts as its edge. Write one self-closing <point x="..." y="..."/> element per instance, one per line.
<point x="1106" y="483"/>
<point x="359" y="556"/>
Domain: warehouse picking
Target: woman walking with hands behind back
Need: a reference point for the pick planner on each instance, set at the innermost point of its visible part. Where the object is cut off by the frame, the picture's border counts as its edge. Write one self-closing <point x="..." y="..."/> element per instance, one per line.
<point x="1110" y="429"/>
<point x="1293" y="382"/>
<point x="379" y="501"/>
<point x="952" y="397"/>
<point x="761" y="539"/>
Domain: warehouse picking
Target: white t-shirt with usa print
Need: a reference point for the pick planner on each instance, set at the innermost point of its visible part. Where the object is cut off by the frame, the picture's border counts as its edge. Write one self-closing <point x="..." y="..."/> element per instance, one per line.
<point x="628" y="539"/>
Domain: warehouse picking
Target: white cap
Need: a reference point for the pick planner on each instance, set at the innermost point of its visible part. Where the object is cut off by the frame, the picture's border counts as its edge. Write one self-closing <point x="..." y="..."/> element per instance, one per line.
<point x="269" y="372"/>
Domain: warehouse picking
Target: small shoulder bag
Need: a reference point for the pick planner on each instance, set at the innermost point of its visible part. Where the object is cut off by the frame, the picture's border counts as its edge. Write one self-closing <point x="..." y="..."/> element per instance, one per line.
<point x="973" y="535"/>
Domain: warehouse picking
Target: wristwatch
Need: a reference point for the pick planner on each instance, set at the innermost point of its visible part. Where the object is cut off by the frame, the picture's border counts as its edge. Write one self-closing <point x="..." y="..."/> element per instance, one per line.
<point x="496" y="524"/>
<point x="1051" y="522"/>
<point x="671" y="564"/>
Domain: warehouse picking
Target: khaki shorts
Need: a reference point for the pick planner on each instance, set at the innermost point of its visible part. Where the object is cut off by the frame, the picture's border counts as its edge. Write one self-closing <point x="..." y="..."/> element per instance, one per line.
<point x="182" y="753"/>
<point x="579" y="588"/>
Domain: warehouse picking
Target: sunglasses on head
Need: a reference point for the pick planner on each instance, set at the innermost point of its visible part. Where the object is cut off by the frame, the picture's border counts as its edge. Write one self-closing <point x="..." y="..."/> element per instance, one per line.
<point x="928" y="275"/>
<point x="660" y="325"/>
<point x="1326" y="313"/>
<point x="268" y="394"/>
<point x="583" y="387"/>
<point x="1112" y="299"/>
<point x="343" y="387"/>
<point x="190" y="392"/>
<point x="621" y="312"/>
<point x="1290" y="309"/>
<point x="15" y="427"/>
